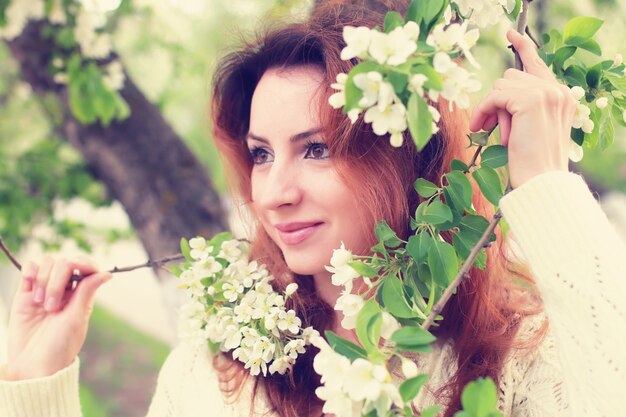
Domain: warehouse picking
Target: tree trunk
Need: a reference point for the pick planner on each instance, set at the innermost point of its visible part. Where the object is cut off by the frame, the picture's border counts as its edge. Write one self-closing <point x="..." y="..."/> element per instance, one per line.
<point x="163" y="187"/>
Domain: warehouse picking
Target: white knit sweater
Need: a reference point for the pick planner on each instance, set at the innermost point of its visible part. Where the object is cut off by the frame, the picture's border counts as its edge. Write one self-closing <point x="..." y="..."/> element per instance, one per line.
<point x="579" y="263"/>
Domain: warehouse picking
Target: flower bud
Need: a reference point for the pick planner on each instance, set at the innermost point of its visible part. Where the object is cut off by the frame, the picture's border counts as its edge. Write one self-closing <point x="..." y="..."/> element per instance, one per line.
<point x="588" y="126"/>
<point x="409" y="369"/>
<point x="624" y="116"/>
<point x="602" y="102"/>
<point x="291" y="288"/>
<point x="618" y="60"/>
<point x="577" y="92"/>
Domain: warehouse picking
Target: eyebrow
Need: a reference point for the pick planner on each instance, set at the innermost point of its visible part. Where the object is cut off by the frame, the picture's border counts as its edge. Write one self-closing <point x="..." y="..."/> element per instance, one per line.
<point x="295" y="138"/>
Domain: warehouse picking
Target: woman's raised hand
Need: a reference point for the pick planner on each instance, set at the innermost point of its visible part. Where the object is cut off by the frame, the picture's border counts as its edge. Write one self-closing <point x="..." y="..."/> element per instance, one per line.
<point x="48" y="322"/>
<point x="534" y="112"/>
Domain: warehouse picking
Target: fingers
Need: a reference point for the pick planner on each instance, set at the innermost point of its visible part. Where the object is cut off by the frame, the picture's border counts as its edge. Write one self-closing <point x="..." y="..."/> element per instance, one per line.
<point x="85" y="292"/>
<point x="43" y="273"/>
<point x="488" y="108"/>
<point x="29" y="275"/>
<point x="504" y="122"/>
<point x="533" y="63"/>
<point x="52" y="279"/>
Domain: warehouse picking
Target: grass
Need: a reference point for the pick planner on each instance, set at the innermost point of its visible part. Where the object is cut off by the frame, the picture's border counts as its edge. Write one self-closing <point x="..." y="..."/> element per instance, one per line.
<point x="119" y="366"/>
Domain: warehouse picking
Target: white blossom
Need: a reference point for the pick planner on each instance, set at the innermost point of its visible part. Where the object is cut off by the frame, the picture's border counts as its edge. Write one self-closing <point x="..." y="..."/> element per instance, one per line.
<point x="338" y="403"/>
<point x="409" y="368"/>
<point x="375" y="90"/>
<point x="93" y="44"/>
<point x="436" y="118"/>
<point x="338" y="100"/>
<point x="617" y="61"/>
<point x="392" y="119"/>
<point x="416" y="82"/>
<point x="453" y="37"/>
<point x="395" y="47"/>
<point x="602" y="102"/>
<point x="17" y="15"/>
<point x="114" y="76"/>
<point x="349" y="305"/>
<point x="484" y="13"/>
<point x="294" y="347"/>
<point x="389" y="326"/>
<point x="366" y="380"/>
<point x="357" y="42"/>
<point x="291" y="288"/>
<point x="288" y="321"/>
<point x="57" y="14"/>
<point x="575" y="152"/>
<point x="577" y="92"/>
<point x="342" y="272"/>
<point x="331" y="366"/>
<point x="231" y="250"/>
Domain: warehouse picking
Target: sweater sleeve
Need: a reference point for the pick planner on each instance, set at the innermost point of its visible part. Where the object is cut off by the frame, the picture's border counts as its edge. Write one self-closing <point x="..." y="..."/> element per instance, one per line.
<point x="52" y="396"/>
<point x="579" y="264"/>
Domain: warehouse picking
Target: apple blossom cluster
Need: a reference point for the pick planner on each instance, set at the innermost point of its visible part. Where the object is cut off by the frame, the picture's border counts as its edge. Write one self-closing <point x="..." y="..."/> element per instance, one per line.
<point x="484" y="13"/>
<point x="88" y="32"/>
<point x="348" y="303"/>
<point x="380" y="101"/>
<point x="233" y="306"/>
<point x="353" y="389"/>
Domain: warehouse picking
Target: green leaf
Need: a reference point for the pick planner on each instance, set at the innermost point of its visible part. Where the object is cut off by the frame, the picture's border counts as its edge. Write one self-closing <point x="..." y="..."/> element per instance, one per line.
<point x="353" y="93"/>
<point x="443" y="262"/>
<point x="606" y="131"/>
<point x="344" y="347"/>
<point x="457" y="165"/>
<point x="460" y="189"/>
<point x="516" y="11"/>
<point x="591" y="46"/>
<point x="575" y="75"/>
<point x="434" y="81"/>
<point x="425" y="188"/>
<point x="368" y="325"/>
<point x="480" y="398"/>
<point x="417" y="246"/>
<point x="184" y="248"/>
<point x="475" y="226"/>
<point x="398" y="80"/>
<point x="394" y="299"/>
<point x="411" y="387"/>
<point x="385" y="234"/>
<point x="593" y="76"/>
<point x="489" y="184"/>
<point x="494" y="156"/>
<point x="431" y="411"/>
<point x="436" y="213"/>
<point x="412" y="336"/>
<point x="617" y="81"/>
<point x="457" y="212"/>
<point x="580" y="29"/>
<point x="420" y="121"/>
<point x="393" y="19"/>
<point x="561" y="55"/>
<point x="364" y="269"/>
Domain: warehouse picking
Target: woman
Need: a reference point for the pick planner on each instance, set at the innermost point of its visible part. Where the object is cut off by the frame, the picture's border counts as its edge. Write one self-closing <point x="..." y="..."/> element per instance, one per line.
<point x="313" y="180"/>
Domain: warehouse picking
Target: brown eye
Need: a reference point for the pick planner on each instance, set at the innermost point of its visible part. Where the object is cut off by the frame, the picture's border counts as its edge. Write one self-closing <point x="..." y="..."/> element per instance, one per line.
<point x="260" y="156"/>
<point x="317" y="150"/>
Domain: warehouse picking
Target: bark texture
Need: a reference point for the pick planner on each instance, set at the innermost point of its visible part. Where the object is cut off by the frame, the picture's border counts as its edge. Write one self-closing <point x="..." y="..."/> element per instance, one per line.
<point x="163" y="187"/>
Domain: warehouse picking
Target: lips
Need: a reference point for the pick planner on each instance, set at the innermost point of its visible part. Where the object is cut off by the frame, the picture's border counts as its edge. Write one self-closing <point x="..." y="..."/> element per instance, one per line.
<point x="293" y="233"/>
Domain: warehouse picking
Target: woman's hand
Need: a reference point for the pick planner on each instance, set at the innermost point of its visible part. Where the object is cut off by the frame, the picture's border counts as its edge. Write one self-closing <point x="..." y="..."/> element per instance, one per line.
<point x="534" y="112"/>
<point x="48" y="322"/>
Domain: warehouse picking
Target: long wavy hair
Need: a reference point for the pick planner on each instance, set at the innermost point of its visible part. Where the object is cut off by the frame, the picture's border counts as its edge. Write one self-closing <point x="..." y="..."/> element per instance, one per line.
<point x="482" y="318"/>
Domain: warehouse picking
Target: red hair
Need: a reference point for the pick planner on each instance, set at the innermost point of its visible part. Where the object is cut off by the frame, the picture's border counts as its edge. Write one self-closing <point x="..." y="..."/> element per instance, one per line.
<point x="481" y="319"/>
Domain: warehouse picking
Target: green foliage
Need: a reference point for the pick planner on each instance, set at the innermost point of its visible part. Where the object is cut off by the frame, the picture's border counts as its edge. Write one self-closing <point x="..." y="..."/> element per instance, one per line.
<point x="479" y="399"/>
<point x="411" y="387"/>
<point x="344" y="347"/>
<point x="419" y="121"/>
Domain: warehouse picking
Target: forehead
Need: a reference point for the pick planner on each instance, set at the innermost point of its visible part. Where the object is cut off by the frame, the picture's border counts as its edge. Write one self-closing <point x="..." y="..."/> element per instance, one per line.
<point x="286" y="100"/>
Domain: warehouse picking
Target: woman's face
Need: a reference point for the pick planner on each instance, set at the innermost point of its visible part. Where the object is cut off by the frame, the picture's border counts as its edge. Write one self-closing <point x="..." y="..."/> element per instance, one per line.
<point x="296" y="192"/>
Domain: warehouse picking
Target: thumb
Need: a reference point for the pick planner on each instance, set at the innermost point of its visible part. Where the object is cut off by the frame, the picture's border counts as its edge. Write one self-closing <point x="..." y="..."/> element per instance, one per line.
<point x="85" y="291"/>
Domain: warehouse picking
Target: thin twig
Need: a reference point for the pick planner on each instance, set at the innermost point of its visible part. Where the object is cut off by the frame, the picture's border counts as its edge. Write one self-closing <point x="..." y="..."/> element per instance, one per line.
<point x="77" y="277"/>
<point x="521" y="28"/>
<point x="6" y="250"/>
<point x="463" y="273"/>
<point x="532" y="37"/>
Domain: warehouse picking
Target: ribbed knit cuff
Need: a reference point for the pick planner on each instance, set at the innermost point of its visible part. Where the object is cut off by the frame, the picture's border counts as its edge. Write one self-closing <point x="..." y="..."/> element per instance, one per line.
<point x="553" y="215"/>
<point x="52" y="396"/>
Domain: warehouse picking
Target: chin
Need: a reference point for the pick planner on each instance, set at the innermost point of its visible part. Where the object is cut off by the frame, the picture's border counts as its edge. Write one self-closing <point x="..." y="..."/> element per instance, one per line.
<point x="304" y="266"/>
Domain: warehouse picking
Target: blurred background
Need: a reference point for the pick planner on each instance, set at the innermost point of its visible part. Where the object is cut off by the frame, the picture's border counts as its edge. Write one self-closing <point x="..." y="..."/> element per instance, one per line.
<point x="123" y="176"/>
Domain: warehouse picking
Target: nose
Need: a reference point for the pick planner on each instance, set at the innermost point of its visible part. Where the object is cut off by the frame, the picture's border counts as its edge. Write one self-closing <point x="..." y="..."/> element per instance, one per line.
<point x="278" y="186"/>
